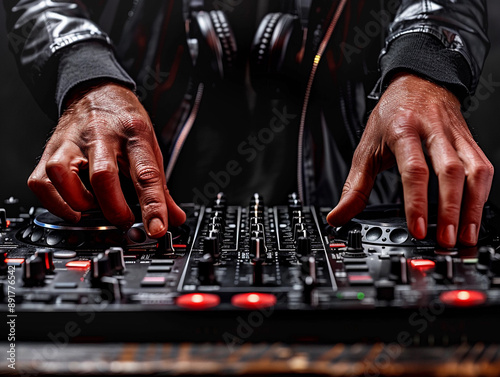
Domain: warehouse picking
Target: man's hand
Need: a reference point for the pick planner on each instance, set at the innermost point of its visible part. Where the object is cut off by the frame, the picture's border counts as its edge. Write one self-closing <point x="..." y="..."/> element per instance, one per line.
<point x="415" y="115"/>
<point x="105" y="131"/>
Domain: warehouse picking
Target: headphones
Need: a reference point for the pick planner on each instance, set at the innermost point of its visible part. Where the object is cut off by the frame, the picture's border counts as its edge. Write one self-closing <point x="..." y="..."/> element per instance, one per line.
<point x="278" y="48"/>
<point x="276" y="51"/>
<point x="211" y="42"/>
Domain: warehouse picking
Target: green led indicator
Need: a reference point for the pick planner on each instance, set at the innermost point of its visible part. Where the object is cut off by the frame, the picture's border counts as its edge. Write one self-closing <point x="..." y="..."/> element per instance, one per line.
<point x="340" y="296"/>
<point x="360" y="295"/>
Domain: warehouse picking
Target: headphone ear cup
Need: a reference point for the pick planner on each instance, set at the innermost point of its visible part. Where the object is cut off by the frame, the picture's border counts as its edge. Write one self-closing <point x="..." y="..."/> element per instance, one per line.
<point x="216" y="46"/>
<point x="227" y="42"/>
<point x="275" y="54"/>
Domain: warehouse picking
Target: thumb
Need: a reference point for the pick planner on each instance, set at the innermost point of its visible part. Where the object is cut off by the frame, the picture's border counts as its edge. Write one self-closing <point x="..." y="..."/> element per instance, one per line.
<point x="354" y="197"/>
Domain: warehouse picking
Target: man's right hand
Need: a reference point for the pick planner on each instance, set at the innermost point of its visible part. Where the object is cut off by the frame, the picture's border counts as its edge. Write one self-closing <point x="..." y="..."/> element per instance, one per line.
<point x="105" y="131"/>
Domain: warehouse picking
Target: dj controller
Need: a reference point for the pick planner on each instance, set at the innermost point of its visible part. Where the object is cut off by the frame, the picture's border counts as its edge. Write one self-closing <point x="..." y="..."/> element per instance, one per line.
<point x="252" y="273"/>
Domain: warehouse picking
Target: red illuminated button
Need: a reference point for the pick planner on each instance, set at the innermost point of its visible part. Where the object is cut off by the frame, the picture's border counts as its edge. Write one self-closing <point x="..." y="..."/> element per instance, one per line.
<point x="7" y="223"/>
<point x="463" y="298"/>
<point x="84" y="264"/>
<point x="360" y="279"/>
<point x="153" y="281"/>
<point x="14" y="261"/>
<point x="254" y="300"/>
<point x="198" y="301"/>
<point x="179" y="246"/>
<point x="422" y="264"/>
<point x="337" y="245"/>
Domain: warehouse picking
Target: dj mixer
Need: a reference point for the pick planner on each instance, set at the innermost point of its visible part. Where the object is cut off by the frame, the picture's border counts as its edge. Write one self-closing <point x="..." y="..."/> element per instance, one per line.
<point x="252" y="273"/>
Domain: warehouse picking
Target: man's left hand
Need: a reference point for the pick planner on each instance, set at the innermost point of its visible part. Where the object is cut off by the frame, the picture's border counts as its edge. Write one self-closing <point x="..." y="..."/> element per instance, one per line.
<point x="413" y="117"/>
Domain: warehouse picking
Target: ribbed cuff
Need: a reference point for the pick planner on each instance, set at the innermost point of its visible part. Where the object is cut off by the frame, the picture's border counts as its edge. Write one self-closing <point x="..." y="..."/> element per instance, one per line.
<point x="84" y="63"/>
<point x="424" y="55"/>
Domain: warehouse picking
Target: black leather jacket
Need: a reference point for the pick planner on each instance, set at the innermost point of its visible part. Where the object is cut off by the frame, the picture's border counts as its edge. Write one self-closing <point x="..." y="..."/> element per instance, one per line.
<point x="142" y="43"/>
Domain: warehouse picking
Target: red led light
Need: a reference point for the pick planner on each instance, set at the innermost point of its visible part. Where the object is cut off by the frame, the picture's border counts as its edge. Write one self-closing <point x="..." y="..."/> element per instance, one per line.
<point x="463" y="298"/>
<point x="360" y="277"/>
<point x="14" y="260"/>
<point x="7" y="224"/>
<point x="422" y="264"/>
<point x="84" y="264"/>
<point x="198" y="301"/>
<point x="254" y="300"/>
<point x="179" y="246"/>
<point x="338" y="245"/>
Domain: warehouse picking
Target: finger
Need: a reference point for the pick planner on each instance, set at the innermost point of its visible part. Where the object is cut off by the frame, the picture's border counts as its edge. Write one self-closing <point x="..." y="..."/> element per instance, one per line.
<point x="62" y="169"/>
<point x="451" y="177"/>
<point x="479" y="173"/>
<point x="415" y="178"/>
<point x="49" y="197"/>
<point x="146" y="171"/>
<point x="176" y="216"/>
<point x="356" y="190"/>
<point x="104" y="178"/>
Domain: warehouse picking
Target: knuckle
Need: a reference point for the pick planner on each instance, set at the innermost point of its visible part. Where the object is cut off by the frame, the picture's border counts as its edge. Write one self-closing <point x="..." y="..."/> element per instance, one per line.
<point x="418" y="204"/>
<point x="136" y="126"/>
<point x="151" y="207"/>
<point x="415" y="169"/>
<point x="148" y="176"/>
<point x="451" y="207"/>
<point x="454" y="169"/>
<point x="37" y="184"/>
<point x="104" y="172"/>
<point x="54" y="166"/>
<point x="483" y="172"/>
<point x="349" y="190"/>
<point x="405" y="119"/>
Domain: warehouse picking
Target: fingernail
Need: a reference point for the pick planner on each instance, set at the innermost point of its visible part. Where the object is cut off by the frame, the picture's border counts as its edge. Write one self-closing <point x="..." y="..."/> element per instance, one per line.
<point x="469" y="235"/>
<point x="449" y="235"/>
<point x="421" y="228"/>
<point x="155" y="226"/>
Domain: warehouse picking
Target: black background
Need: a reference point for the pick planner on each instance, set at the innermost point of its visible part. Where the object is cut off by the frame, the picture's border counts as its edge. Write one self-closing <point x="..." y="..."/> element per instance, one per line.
<point x="24" y="127"/>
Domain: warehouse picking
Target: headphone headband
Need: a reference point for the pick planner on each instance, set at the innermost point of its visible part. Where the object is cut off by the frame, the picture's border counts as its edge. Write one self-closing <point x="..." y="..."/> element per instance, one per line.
<point x="303" y="8"/>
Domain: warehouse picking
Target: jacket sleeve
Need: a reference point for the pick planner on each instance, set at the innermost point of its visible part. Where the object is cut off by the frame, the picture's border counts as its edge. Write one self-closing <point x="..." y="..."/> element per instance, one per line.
<point x="57" y="47"/>
<point x="444" y="41"/>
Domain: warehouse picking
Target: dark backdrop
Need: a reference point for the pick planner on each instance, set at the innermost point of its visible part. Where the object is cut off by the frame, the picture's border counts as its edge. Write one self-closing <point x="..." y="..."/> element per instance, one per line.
<point x="24" y="127"/>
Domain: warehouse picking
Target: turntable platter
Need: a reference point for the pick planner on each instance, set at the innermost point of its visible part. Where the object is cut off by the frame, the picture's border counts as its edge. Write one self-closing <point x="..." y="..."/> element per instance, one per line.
<point x="93" y="220"/>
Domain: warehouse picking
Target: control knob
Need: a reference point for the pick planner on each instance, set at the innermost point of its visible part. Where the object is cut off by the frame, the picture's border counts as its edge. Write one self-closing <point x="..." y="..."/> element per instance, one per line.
<point x="444" y="268"/>
<point x="3" y="263"/>
<point x="399" y="269"/>
<point x="211" y="246"/>
<point x="257" y="247"/>
<point x="257" y="272"/>
<point x="354" y="244"/>
<point x="116" y="259"/>
<point x="100" y="267"/>
<point x="303" y="245"/>
<point x="47" y="256"/>
<point x="165" y="244"/>
<point x="206" y="270"/>
<point x="3" y="218"/>
<point x="34" y="271"/>
<point x="484" y="256"/>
